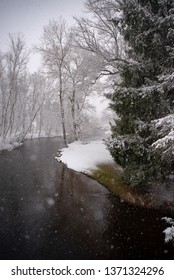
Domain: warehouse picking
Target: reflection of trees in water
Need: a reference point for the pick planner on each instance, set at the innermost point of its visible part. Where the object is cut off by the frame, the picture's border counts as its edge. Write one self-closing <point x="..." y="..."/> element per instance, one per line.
<point x="72" y="184"/>
<point x="61" y="184"/>
<point x="65" y="215"/>
<point x="64" y="181"/>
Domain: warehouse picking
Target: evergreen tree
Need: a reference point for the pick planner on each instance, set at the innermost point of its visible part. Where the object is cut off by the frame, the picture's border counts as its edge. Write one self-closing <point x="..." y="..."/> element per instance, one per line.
<point x="142" y="139"/>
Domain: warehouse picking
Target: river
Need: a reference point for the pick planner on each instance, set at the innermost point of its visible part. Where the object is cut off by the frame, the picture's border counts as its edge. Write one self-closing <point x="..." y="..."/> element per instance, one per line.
<point x="48" y="211"/>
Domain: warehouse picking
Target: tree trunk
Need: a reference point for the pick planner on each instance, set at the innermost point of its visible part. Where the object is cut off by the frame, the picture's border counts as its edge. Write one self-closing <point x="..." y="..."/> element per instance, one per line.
<point x="40" y="122"/>
<point x="75" y="135"/>
<point x="62" y="111"/>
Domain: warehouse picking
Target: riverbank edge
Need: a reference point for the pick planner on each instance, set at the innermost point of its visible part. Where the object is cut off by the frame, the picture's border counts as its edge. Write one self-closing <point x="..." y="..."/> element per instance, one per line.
<point x="109" y="175"/>
<point x="91" y="158"/>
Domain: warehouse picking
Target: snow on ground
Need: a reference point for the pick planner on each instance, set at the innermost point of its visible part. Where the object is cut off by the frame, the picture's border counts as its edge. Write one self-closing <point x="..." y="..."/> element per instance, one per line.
<point x="85" y="156"/>
<point x="8" y="145"/>
<point x="169" y="232"/>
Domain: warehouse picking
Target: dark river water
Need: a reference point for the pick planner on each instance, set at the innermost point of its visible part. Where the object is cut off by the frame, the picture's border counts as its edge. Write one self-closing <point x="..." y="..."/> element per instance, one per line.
<point x="50" y="212"/>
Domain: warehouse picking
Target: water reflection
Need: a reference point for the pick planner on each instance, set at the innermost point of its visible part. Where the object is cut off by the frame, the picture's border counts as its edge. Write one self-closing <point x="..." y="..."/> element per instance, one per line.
<point x="50" y="212"/>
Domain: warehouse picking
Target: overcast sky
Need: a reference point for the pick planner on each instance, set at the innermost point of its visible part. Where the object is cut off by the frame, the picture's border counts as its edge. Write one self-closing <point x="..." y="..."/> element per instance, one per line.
<point x="29" y="17"/>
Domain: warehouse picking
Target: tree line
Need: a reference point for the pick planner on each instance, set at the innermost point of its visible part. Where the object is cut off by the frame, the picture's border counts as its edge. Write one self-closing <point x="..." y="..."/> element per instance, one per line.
<point x="54" y="100"/>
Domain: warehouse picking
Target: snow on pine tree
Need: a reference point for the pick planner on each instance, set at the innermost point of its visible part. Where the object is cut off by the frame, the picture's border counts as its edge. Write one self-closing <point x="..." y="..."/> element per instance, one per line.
<point x="142" y="139"/>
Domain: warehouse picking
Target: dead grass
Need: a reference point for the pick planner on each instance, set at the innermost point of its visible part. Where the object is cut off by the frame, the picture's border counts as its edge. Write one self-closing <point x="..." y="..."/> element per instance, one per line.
<point x="109" y="175"/>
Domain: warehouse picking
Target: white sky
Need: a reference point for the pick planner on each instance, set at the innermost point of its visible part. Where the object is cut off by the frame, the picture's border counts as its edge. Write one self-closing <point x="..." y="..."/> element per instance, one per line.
<point x="30" y="16"/>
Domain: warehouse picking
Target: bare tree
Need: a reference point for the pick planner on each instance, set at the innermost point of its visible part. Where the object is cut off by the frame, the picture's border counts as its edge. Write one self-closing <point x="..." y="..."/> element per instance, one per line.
<point x="100" y="34"/>
<point x="13" y="84"/>
<point x="55" y="47"/>
<point x="2" y="94"/>
<point x="81" y="75"/>
<point x="39" y="89"/>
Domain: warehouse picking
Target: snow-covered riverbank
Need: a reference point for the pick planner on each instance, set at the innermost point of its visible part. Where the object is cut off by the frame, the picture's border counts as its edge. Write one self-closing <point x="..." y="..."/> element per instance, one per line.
<point x="84" y="156"/>
<point x="9" y="144"/>
<point x="14" y="142"/>
<point x="93" y="159"/>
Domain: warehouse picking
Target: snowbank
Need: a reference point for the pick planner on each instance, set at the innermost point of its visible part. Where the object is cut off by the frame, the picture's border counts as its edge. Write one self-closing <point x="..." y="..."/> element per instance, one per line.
<point x="8" y="145"/>
<point x="85" y="156"/>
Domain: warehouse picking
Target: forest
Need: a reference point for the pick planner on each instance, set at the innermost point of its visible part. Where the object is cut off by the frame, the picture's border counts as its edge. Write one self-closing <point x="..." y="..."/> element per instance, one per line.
<point x="123" y="51"/>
